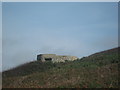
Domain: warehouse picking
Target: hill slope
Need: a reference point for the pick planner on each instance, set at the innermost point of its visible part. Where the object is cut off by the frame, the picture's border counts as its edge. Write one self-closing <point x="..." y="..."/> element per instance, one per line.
<point x="99" y="70"/>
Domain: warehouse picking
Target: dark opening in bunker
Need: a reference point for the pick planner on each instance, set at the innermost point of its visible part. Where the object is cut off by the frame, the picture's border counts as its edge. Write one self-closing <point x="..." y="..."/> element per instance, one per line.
<point x="48" y="59"/>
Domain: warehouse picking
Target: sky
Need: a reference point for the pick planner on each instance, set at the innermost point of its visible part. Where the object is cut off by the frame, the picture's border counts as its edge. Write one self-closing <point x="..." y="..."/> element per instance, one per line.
<point x="64" y="28"/>
<point x="0" y="40"/>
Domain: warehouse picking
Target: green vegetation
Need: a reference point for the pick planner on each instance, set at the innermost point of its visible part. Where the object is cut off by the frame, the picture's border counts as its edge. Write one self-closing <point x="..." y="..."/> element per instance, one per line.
<point x="99" y="70"/>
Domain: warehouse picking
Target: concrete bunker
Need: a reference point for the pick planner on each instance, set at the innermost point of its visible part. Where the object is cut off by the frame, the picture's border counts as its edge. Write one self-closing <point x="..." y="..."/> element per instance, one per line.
<point x="55" y="58"/>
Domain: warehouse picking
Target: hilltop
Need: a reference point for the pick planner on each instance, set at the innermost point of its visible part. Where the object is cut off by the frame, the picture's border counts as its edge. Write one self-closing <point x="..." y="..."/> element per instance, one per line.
<point x="99" y="70"/>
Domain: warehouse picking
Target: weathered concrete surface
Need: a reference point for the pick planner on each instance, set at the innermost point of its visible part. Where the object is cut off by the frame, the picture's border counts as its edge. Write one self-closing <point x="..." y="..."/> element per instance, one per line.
<point x="55" y="58"/>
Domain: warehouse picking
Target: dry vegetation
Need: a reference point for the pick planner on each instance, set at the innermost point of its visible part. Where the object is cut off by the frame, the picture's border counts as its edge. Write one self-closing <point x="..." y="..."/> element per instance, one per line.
<point x="99" y="70"/>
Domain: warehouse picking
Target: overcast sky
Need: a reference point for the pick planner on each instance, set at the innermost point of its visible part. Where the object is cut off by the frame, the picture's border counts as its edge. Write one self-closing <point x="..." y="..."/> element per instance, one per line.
<point x="77" y="29"/>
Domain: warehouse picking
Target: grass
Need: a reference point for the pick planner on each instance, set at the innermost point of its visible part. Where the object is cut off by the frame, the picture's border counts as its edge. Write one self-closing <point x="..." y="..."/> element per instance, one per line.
<point x="99" y="70"/>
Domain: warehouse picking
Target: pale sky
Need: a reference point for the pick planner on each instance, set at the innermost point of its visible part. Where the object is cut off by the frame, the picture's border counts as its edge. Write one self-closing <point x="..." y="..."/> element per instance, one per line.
<point x="77" y="29"/>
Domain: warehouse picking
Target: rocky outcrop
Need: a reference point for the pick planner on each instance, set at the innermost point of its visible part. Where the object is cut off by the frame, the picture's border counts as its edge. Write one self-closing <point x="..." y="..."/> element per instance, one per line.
<point x="55" y="58"/>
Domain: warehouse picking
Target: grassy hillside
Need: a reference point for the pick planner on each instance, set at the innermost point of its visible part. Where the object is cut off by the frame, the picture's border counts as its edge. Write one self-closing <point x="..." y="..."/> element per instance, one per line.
<point x="99" y="70"/>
